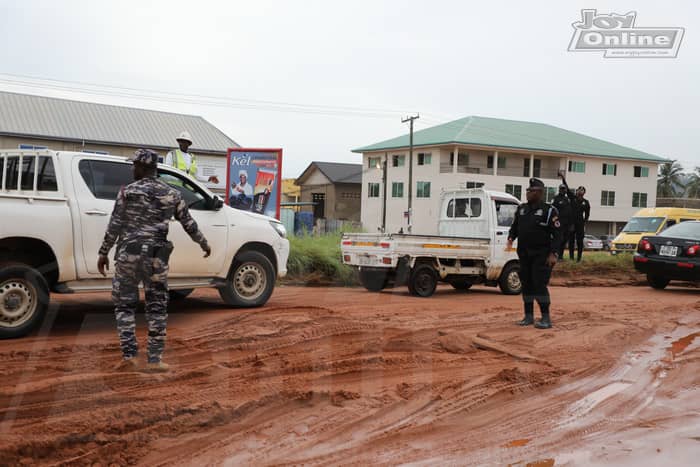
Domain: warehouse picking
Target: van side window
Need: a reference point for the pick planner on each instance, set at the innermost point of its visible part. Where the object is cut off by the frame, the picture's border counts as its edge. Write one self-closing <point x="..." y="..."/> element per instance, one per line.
<point x="464" y="207"/>
<point x="104" y="178"/>
<point x="669" y="223"/>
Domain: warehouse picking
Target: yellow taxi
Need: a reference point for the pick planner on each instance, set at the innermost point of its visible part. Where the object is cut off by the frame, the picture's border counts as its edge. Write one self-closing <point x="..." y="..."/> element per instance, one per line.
<point x="648" y="222"/>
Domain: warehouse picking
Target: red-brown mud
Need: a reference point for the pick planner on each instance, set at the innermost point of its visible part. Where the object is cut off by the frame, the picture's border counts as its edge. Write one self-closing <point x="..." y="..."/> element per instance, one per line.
<point x="344" y="376"/>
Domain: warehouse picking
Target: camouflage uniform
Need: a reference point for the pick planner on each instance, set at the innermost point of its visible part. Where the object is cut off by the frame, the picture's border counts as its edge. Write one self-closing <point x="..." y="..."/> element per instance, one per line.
<point x="139" y="225"/>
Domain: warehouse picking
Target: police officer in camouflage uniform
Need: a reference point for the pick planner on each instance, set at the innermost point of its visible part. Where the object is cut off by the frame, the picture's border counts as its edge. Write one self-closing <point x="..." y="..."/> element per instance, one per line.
<point x="537" y="228"/>
<point x="139" y="226"/>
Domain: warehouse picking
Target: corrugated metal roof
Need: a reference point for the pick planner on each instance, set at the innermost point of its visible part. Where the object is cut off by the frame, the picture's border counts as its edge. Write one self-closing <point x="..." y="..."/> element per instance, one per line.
<point x="62" y="119"/>
<point x="336" y="172"/>
<point x="495" y="132"/>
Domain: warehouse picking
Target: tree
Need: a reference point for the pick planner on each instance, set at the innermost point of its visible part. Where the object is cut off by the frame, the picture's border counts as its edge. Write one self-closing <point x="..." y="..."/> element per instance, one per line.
<point x="669" y="183"/>
<point x="692" y="189"/>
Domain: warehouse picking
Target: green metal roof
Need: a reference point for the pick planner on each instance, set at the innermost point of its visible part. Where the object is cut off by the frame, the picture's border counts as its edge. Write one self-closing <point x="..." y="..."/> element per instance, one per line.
<point x="514" y="134"/>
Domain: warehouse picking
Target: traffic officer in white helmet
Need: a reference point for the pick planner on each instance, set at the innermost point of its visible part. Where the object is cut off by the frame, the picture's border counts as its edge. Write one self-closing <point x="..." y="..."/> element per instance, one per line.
<point x="185" y="161"/>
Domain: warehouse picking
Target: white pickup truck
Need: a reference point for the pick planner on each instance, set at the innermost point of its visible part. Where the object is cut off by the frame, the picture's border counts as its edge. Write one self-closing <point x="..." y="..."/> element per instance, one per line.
<point x="471" y="248"/>
<point x="54" y="210"/>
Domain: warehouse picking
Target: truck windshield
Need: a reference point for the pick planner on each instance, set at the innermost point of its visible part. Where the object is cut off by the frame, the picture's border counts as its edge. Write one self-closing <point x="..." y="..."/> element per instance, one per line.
<point x="643" y="224"/>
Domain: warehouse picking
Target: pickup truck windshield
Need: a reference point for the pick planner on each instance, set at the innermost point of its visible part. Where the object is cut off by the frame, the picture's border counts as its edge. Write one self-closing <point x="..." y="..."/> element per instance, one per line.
<point x="643" y="224"/>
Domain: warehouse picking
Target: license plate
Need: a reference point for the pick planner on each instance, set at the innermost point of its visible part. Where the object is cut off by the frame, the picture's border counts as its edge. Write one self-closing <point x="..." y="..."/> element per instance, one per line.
<point x="667" y="250"/>
<point x="364" y="260"/>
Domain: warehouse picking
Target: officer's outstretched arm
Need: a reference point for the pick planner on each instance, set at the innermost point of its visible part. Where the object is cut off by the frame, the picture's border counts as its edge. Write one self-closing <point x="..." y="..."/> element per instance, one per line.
<point x="182" y="214"/>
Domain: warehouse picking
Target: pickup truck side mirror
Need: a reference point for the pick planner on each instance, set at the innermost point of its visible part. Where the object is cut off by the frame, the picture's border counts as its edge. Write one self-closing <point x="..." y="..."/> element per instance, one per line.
<point x="216" y="203"/>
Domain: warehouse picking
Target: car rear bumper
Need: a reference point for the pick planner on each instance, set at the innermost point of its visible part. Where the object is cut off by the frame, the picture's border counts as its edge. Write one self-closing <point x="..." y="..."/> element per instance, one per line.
<point x="673" y="269"/>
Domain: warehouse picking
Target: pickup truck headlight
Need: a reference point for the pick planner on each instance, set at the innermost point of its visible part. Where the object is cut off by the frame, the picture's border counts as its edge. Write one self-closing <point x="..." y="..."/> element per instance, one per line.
<point x="279" y="228"/>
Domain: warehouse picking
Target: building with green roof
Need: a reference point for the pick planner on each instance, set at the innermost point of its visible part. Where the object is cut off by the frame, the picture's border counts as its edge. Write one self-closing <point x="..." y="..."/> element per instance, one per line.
<point x="502" y="155"/>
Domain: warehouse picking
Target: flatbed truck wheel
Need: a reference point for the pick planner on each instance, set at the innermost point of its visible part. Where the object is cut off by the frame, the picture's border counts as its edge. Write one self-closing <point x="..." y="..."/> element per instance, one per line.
<point x="423" y="280"/>
<point x="374" y="281"/>
<point x="509" y="283"/>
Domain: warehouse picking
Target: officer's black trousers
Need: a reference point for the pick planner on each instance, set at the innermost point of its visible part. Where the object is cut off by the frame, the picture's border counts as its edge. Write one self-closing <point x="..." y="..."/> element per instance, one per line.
<point x="564" y="229"/>
<point x="534" y="277"/>
<point x="576" y="236"/>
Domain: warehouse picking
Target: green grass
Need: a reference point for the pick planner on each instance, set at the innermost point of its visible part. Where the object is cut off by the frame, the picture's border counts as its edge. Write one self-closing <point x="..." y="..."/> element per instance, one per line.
<point x="316" y="260"/>
<point x="597" y="262"/>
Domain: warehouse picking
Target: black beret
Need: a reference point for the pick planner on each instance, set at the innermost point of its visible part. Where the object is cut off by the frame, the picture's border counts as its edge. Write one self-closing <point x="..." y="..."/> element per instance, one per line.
<point x="536" y="183"/>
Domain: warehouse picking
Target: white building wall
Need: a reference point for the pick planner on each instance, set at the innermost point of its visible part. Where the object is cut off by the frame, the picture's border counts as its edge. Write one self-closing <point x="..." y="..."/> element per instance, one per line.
<point x="425" y="210"/>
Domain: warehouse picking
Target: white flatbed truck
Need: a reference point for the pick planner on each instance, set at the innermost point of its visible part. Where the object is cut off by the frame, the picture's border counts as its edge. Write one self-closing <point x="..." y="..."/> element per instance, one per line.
<point x="470" y="248"/>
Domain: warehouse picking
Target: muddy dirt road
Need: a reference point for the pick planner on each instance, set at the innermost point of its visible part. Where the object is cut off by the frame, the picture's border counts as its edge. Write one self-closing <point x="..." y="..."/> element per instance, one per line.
<point x="343" y="376"/>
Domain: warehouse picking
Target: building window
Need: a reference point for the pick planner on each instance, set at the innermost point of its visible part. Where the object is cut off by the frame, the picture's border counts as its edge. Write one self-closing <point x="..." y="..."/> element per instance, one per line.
<point x="609" y="169"/>
<point x="515" y="190"/>
<point x="577" y="167"/>
<point x="639" y="200"/>
<point x="397" y="190"/>
<point x="423" y="190"/>
<point x="537" y="168"/>
<point x="374" y="163"/>
<point x="607" y="198"/>
<point x="373" y="190"/>
<point x="470" y="185"/>
<point x="549" y="194"/>
<point x="398" y="161"/>
<point x="641" y="171"/>
<point x="349" y="195"/>
<point x="501" y="162"/>
<point x="424" y="158"/>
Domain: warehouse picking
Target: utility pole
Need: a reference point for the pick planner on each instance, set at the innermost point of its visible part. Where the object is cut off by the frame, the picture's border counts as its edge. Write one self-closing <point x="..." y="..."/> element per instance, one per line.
<point x="410" y="170"/>
<point x="384" y="178"/>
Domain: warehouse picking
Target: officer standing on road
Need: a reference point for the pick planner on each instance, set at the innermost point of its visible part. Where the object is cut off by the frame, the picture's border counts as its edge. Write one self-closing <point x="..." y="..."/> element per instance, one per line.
<point x="537" y="228"/>
<point x="139" y="226"/>
<point x="563" y="205"/>
<point x="185" y="161"/>
<point x="581" y="211"/>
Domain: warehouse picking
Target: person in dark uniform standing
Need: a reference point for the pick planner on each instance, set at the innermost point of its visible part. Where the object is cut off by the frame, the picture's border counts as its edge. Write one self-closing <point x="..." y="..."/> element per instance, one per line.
<point x="563" y="205"/>
<point x="139" y="226"/>
<point x="581" y="211"/>
<point x="536" y="227"/>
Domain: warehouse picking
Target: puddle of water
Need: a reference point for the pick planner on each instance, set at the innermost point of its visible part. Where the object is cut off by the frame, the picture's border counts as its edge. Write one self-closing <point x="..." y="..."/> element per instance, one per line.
<point x="516" y="443"/>
<point x="678" y="346"/>
<point x="589" y="402"/>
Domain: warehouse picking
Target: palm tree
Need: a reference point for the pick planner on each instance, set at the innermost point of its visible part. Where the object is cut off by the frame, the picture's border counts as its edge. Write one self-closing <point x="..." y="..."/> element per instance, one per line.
<point x="692" y="189"/>
<point x="668" y="183"/>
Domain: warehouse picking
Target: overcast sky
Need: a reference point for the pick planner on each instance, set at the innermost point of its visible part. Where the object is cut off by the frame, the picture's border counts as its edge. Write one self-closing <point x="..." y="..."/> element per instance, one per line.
<point x="444" y="59"/>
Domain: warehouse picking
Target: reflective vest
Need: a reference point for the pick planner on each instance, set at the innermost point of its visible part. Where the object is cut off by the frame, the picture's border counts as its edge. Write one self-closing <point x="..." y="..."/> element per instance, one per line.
<point x="179" y="163"/>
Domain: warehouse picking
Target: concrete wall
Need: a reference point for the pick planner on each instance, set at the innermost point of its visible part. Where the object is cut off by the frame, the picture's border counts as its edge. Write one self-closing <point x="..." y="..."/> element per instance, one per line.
<point x="425" y="211"/>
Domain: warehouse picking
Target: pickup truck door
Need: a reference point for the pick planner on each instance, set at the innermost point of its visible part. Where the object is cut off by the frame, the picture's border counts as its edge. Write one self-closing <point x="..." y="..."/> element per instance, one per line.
<point x="97" y="183"/>
<point x="187" y="259"/>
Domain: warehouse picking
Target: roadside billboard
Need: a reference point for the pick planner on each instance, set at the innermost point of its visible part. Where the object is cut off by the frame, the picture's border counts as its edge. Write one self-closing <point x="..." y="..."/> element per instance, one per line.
<point x="254" y="180"/>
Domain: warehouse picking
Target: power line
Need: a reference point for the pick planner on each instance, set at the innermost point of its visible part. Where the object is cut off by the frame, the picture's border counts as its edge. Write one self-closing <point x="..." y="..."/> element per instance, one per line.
<point x="196" y="99"/>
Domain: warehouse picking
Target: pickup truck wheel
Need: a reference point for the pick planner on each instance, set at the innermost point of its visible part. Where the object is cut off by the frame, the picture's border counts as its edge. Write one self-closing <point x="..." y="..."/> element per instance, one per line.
<point x="656" y="282"/>
<point x="423" y="280"/>
<point x="374" y="281"/>
<point x="461" y="284"/>
<point x="250" y="282"/>
<point x="509" y="283"/>
<point x="24" y="298"/>
<point x="179" y="294"/>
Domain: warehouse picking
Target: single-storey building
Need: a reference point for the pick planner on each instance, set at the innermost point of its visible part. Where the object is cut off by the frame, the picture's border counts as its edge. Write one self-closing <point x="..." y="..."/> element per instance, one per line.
<point x="29" y="121"/>
<point x="335" y="190"/>
<point x="502" y="155"/>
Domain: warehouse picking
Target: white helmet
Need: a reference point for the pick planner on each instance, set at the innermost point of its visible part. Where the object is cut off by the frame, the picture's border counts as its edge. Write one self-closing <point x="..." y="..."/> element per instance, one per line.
<point x="185" y="136"/>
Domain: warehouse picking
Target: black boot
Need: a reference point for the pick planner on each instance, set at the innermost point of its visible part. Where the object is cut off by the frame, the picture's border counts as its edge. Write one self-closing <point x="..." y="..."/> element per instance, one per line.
<point x="529" y="315"/>
<point x="545" y="322"/>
